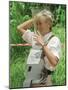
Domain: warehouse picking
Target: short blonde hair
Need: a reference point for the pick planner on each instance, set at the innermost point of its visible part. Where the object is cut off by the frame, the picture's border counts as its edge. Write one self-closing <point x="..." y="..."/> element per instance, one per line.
<point x="47" y="15"/>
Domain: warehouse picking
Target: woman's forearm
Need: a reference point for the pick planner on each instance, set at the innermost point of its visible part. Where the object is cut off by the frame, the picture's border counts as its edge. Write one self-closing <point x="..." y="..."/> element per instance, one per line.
<point x="52" y="59"/>
<point x="25" y="25"/>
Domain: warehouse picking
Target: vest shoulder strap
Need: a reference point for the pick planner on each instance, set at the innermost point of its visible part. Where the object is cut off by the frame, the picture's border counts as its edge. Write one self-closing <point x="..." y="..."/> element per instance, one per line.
<point x="50" y="38"/>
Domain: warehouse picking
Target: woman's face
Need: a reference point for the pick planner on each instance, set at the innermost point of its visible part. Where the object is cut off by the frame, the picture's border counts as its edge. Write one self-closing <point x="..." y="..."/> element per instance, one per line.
<point x="42" y="24"/>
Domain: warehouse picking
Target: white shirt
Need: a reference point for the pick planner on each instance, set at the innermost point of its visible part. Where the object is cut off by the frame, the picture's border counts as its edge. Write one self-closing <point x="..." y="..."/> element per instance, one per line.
<point x="54" y="45"/>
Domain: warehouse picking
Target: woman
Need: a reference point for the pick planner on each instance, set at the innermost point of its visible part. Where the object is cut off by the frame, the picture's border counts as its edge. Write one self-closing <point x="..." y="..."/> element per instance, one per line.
<point x="44" y="39"/>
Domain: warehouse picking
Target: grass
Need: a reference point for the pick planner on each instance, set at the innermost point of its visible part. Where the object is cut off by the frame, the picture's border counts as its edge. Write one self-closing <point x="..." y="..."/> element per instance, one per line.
<point x="18" y="64"/>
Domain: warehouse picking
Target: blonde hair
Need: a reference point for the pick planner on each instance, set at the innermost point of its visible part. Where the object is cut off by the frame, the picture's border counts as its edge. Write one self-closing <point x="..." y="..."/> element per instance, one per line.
<point x="47" y="15"/>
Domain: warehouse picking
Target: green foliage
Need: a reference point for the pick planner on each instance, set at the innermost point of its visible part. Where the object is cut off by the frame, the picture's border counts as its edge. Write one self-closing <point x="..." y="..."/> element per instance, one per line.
<point x="60" y="15"/>
<point x="17" y="73"/>
<point x="59" y="31"/>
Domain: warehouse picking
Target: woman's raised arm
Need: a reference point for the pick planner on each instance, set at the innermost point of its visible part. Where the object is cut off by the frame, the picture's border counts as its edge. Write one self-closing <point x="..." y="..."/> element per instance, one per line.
<point x="25" y="25"/>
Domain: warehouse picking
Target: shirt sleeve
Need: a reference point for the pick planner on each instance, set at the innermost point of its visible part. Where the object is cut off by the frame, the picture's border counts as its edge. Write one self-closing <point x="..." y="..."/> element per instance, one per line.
<point x="27" y="36"/>
<point x="55" y="46"/>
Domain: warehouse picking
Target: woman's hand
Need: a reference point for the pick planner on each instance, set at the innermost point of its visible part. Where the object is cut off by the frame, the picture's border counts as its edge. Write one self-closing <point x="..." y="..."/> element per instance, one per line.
<point x="39" y="39"/>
